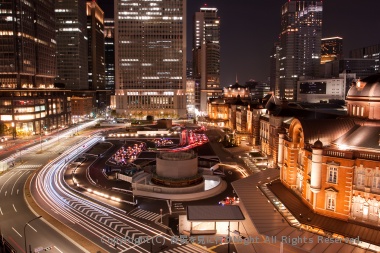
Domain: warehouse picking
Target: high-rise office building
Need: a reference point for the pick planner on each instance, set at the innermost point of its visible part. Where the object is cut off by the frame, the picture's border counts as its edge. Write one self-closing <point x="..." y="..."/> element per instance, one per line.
<point x="369" y="52"/>
<point x="300" y="44"/>
<point x="109" y="46"/>
<point x="274" y="72"/>
<point x="29" y="103"/>
<point x="206" y="53"/>
<point x="150" y="57"/>
<point x="72" y="44"/>
<point x="331" y="49"/>
<point x="27" y="44"/>
<point x="95" y="32"/>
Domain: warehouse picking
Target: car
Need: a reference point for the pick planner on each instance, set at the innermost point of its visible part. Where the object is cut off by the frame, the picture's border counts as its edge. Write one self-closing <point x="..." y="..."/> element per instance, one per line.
<point x="228" y="201"/>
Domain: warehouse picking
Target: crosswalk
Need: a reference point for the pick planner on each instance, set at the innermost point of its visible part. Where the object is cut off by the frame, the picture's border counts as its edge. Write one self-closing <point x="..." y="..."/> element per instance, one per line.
<point x="147" y="215"/>
<point x="29" y="166"/>
<point x="187" y="248"/>
<point x="104" y="218"/>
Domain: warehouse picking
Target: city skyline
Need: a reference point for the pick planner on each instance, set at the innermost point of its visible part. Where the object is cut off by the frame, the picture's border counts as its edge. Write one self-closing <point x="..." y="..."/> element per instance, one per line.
<point x="347" y="19"/>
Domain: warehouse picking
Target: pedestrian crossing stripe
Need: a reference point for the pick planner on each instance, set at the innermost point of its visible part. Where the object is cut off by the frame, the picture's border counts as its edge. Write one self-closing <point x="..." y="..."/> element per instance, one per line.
<point x="147" y="215"/>
<point x="188" y="248"/>
<point x="29" y="166"/>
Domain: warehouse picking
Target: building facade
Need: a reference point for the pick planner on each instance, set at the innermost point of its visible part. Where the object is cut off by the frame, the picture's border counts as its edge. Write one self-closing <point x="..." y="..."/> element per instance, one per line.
<point x="206" y="53"/>
<point x="96" y="57"/>
<point x="317" y="90"/>
<point x="369" y="52"/>
<point x="25" y="112"/>
<point x="150" y="57"/>
<point x="331" y="49"/>
<point x="300" y="44"/>
<point x="29" y="103"/>
<point x="81" y="107"/>
<point x="27" y="47"/>
<point x="72" y="44"/>
<point x="333" y="165"/>
<point x="109" y="47"/>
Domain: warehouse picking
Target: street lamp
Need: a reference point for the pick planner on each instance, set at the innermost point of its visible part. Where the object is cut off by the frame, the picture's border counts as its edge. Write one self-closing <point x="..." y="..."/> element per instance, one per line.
<point x="26" y="250"/>
<point x="40" y="141"/>
<point x="13" y="131"/>
<point x="161" y="214"/>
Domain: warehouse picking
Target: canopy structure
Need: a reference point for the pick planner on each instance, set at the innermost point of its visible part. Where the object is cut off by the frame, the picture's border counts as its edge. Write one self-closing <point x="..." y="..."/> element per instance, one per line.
<point x="214" y="213"/>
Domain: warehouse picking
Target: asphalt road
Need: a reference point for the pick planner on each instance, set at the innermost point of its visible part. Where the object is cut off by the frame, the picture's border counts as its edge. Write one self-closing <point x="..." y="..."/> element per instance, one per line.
<point x="14" y="211"/>
<point x="41" y="235"/>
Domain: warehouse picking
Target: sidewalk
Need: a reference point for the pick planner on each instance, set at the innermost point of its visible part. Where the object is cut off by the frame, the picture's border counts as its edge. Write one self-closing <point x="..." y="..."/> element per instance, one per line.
<point x="264" y="220"/>
<point x="366" y="233"/>
<point x="19" y="142"/>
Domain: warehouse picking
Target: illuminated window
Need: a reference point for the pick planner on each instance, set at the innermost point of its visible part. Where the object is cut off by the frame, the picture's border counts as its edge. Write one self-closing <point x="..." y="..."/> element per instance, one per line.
<point x="332" y="175"/>
<point x="376" y="182"/>
<point x="360" y="177"/>
<point x="299" y="181"/>
<point x="330" y="201"/>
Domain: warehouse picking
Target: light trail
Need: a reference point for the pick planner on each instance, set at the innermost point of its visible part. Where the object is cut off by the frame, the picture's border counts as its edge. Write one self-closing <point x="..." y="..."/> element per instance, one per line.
<point x="90" y="216"/>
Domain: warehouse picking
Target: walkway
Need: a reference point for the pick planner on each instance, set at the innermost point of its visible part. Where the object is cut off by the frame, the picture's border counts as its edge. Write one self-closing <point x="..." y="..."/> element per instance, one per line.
<point x="264" y="220"/>
<point x="366" y="233"/>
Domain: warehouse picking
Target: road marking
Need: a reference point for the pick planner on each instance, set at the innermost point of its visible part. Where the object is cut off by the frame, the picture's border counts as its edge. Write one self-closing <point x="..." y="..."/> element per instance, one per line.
<point x="16" y="231"/>
<point x="6" y="182"/>
<point x="14" y="207"/>
<point x="1" y="211"/>
<point x="6" y="193"/>
<point x="58" y="249"/>
<point x="32" y="227"/>
<point x="17" y="191"/>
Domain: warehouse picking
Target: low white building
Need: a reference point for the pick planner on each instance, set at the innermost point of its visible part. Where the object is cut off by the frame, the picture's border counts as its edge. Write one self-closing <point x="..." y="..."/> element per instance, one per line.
<point x="317" y="90"/>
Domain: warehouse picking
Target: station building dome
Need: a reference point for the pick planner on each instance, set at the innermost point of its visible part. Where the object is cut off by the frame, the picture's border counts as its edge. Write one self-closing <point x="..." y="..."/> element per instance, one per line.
<point x="363" y="98"/>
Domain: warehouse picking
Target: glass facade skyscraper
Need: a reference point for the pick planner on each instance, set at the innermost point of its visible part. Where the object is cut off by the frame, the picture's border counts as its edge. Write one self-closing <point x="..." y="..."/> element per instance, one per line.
<point x="27" y="44"/>
<point x="109" y="46"/>
<point x="300" y="44"/>
<point x="72" y="44"/>
<point x="29" y="103"/>
<point x="150" y="57"/>
<point x="95" y="32"/>
<point x="206" y="53"/>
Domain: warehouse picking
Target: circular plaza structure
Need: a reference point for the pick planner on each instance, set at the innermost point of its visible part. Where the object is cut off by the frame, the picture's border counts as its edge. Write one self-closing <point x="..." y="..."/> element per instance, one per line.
<point x="176" y="169"/>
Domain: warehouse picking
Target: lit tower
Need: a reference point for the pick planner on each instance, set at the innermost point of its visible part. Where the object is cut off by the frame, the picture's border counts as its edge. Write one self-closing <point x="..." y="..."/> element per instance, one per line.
<point x="95" y="32"/>
<point x="150" y="57"/>
<point x="206" y="53"/>
<point x="27" y="44"/>
<point x="109" y="46"/>
<point x="300" y="44"/>
<point x="72" y="44"/>
<point x="331" y="49"/>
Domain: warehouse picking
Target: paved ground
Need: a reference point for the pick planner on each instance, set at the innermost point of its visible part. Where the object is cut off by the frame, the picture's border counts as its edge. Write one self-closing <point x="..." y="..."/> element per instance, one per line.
<point x="273" y="227"/>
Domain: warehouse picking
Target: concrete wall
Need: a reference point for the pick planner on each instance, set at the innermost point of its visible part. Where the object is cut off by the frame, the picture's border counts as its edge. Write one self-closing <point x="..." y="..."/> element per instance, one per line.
<point x="179" y="194"/>
<point x="177" y="169"/>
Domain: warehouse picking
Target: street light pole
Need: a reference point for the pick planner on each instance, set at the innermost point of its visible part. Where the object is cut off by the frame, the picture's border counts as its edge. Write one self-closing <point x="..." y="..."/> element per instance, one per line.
<point x="13" y="131"/>
<point x="161" y="214"/>
<point x="26" y="250"/>
<point x="40" y="142"/>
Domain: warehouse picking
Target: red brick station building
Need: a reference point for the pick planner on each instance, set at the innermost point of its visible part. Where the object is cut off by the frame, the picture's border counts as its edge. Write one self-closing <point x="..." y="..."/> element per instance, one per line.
<point x="334" y="164"/>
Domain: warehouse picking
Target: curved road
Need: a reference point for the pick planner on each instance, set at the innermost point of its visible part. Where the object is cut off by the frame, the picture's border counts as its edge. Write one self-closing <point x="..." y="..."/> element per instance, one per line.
<point x="14" y="211"/>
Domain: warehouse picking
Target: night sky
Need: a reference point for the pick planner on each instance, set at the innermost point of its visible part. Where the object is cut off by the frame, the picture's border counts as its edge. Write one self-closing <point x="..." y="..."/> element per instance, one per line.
<point x="250" y="27"/>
